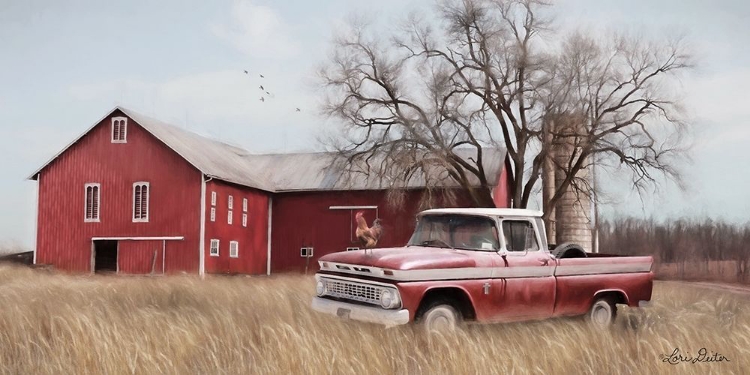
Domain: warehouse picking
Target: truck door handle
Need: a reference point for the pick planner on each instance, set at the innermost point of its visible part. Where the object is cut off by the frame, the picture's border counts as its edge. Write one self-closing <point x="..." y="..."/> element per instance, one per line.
<point x="544" y="261"/>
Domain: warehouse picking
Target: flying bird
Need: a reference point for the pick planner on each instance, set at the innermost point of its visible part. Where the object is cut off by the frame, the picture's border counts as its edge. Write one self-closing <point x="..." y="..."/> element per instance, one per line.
<point x="260" y="87"/>
<point x="262" y="99"/>
<point x="261" y="76"/>
<point x="368" y="236"/>
<point x="245" y="71"/>
<point x="299" y="110"/>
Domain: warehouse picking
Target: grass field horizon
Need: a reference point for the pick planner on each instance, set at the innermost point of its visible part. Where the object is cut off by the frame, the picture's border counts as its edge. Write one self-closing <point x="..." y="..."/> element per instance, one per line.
<point x="55" y="324"/>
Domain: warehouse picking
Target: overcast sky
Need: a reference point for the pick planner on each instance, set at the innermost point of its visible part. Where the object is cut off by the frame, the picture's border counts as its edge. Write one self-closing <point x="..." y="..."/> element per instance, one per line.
<point x="64" y="66"/>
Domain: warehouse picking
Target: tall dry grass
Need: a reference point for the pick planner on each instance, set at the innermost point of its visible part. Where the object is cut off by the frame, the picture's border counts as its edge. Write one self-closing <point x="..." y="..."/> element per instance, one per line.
<point x="58" y="324"/>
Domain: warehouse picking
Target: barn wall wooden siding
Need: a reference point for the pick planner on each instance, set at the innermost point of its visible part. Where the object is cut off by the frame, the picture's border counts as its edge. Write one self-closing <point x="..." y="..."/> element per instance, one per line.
<point x="252" y="240"/>
<point x="305" y="220"/>
<point x="299" y="219"/>
<point x="64" y="239"/>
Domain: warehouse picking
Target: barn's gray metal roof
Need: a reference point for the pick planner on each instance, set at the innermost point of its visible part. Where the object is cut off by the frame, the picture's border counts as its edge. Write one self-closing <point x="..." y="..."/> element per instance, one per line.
<point x="319" y="171"/>
<point x="275" y="172"/>
<point x="213" y="158"/>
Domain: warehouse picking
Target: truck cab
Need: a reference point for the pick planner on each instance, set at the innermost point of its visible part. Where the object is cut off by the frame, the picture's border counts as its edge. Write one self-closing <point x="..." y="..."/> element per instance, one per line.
<point x="481" y="265"/>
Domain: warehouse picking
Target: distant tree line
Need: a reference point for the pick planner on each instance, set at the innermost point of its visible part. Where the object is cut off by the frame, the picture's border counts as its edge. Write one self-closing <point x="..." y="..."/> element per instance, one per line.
<point x="694" y="242"/>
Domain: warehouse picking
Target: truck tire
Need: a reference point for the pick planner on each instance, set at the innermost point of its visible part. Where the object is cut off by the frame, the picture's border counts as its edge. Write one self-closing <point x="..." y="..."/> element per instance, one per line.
<point x="603" y="312"/>
<point x="441" y="317"/>
<point x="569" y="250"/>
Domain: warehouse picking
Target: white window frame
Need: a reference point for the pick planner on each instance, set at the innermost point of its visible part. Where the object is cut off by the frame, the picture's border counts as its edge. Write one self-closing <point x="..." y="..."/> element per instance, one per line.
<point x="230" y="202"/>
<point x="504" y="244"/>
<point x="213" y="198"/>
<point x="234" y="249"/>
<point x="306" y="252"/>
<point x="213" y="214"/>
<point x="98" y="200"/>
<point x="229" y="217"/>
<point x="125" y="133"/>
<point x="211" y="247"/>
<point x="244" y="220"/>
<point x="148" y="202"/>
<point x="244" y="204"/>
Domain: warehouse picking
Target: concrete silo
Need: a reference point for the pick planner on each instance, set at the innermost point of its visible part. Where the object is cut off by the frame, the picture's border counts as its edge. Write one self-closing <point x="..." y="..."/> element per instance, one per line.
<point x="570" y="220"/>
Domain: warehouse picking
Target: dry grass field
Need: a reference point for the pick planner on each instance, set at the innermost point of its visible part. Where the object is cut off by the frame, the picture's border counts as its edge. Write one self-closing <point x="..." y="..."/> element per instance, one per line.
<point x="57" y="324"/>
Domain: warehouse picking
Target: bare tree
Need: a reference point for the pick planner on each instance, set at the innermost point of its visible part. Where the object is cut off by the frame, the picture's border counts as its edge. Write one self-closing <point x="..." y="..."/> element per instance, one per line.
<point x="493" y="72"/>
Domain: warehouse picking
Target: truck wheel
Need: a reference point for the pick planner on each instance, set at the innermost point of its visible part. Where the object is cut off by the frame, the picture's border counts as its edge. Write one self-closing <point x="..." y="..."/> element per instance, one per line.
<point x="441" y="317"/>
<point x="603" y="312"/>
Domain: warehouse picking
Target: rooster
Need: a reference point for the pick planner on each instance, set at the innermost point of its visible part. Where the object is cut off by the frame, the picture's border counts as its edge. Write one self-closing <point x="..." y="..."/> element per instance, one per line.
<point x="368" y="236"/>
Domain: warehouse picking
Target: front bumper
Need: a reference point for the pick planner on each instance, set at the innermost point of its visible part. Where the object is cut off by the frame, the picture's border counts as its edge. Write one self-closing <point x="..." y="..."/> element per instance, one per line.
<point x="377" y="315"/>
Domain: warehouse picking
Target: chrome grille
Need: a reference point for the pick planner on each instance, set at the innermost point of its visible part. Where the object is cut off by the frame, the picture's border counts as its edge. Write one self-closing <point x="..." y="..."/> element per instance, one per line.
<point x="354" y="291"/>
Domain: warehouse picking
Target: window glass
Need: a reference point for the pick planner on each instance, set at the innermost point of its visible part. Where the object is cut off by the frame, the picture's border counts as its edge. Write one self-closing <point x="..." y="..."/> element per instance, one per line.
<point x="140" y="201"/>
<point x="214" y="250"/>
<point x="519" y="235"/>
<point x="92" y="202"/>
<point x="456" y="231"/>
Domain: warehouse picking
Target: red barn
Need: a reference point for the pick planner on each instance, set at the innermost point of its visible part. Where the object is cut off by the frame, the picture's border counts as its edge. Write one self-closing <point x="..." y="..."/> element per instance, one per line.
<point x="135" y="195"/>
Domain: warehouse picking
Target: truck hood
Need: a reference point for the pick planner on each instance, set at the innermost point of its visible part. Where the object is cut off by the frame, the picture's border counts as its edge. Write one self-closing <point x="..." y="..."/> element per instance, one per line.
<point x="410" y="258"/>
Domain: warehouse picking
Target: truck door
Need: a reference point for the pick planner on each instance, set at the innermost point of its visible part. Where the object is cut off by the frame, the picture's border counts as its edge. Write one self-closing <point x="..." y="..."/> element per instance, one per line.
<point x="523" y="280"/>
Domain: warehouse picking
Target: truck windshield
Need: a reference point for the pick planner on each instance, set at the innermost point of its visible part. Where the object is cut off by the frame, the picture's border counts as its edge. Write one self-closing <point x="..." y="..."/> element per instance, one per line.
<point x="456" y="231"/>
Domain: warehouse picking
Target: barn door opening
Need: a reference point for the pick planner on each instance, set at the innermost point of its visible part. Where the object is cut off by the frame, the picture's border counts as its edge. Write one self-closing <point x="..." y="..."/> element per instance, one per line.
<point x="105" y="256"/>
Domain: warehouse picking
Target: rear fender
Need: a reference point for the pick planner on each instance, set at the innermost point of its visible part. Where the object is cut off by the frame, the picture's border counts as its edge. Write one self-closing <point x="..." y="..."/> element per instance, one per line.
<point x="622" y="297"/>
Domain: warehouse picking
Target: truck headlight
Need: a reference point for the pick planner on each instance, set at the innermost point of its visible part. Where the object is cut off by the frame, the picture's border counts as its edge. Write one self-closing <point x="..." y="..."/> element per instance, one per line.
<point x="389" y="299"/>
<point x="320" y="287"/>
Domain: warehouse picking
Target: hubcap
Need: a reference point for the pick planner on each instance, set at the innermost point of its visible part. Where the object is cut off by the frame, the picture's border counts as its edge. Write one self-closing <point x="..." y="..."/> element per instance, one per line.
<point x="600" y="315"/>
<point x="441" y="323"/>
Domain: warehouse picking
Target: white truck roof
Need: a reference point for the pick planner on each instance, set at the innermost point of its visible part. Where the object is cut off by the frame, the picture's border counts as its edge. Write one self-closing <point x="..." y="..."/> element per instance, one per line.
<point x="503" y="212"/>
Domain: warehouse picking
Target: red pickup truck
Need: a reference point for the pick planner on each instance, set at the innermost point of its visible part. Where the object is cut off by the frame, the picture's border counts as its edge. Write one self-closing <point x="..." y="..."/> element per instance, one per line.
<point x="482" y="265"/>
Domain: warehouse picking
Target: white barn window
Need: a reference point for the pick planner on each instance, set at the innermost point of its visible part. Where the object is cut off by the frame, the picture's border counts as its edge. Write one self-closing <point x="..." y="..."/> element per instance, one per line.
<point x="244" y="204"/>
<point x="140" y="202"/>
<point x="214" y="251"/>
<point x="229" y="218"/>
<point x="91" y="211"/>
<point x="231" y="202"/>
<point x="213" y="198"/>
<point x="306" y="252"/>
<point x="234" y="251"/>
<point x="244" y="220"/>
<point x="119" y="129"/>
<point x="213" y="214"/>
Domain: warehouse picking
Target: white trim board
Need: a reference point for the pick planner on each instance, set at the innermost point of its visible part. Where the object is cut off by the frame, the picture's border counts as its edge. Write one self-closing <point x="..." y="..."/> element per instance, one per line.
<point x="174" y="238"/>
<point x="202" y="236"/>
<point x="486" y="272"/>
<point x="353" y="207"/>
<point x="36" y="217"/>
<point x="270" y="223"/>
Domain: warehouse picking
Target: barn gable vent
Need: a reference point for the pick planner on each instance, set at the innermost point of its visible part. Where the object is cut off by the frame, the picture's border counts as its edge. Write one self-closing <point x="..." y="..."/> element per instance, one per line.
<point x="119" y="129"/>
<point x="140" y="201"/>
<point x="91" y="211"/>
